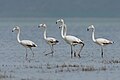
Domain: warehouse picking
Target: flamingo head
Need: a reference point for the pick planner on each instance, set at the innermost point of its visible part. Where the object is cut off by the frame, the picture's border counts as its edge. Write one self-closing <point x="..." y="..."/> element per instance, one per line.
<point x="42" y="25"/>
<point x="16" y="28"/>
<point x="90" y="27"/>
<point x="60" y="21"/>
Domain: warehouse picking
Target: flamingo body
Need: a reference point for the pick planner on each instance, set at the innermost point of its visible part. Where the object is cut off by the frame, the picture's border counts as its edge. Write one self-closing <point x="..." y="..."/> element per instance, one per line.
<point x="103" y="42"/>
<point x="51" y="41"/>
<point x="28" y="43"/>
<point x="72" y="40"/>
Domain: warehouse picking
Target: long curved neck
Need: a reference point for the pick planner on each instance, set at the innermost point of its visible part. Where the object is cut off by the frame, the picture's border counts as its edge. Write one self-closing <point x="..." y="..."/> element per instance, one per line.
<point x="62" y="23"/>
<point x="93" y="35"/>
<point x="62" y="31"/>
<point x="45" y="36"/>
<point x="18" y="36"/>
<point x="65" y="30"/>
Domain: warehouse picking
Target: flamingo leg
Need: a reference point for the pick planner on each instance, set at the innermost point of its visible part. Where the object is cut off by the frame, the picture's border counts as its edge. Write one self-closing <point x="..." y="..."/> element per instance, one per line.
<point x="26" y="54"/>
<point x="52" y="51"/>
<point x="32" y="51"/>
<point x="102" y="52"/>
<point x="80" y="50"/>
<point x="74" y="51"/>
<point x="71" y="51"/>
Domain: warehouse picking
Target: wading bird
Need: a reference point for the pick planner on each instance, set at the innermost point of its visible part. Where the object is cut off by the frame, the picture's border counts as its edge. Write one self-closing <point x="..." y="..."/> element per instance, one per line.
<point x="26" y="43"/>
<point x="100" y="41"/>
<point x="71" y="40"/>
<point x="50" y="40"/>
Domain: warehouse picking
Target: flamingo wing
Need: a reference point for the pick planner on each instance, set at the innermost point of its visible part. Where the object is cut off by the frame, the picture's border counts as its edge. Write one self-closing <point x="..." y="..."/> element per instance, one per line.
<point x="28" y="43"/>
<point x="52" y="40"/>
<point x="72" y="39"/>
<point x="102" y="41"/>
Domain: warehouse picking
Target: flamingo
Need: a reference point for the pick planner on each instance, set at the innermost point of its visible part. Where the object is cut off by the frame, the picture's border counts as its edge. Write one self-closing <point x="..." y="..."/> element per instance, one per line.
<point x="26" y="43"/>
<point x="50" y="40"/>
<point x="100" y="41"/>
<point x="71" y="40"/>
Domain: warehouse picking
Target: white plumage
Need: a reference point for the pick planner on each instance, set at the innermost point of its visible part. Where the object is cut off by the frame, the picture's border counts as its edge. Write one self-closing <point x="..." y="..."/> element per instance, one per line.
<point x="100" y="41"/>
<point x="71" y="40"/>
<point x="103" y="42"/>
<point x="25" y="43"/>
<point x="50" y="40"/>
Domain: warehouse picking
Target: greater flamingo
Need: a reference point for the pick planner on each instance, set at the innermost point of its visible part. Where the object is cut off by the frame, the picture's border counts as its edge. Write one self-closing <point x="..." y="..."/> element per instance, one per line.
<point x="26" y="43"/>
<point x="100" y="41"/>
<point x="71" y="40"/>
<point x="50" y="40"/>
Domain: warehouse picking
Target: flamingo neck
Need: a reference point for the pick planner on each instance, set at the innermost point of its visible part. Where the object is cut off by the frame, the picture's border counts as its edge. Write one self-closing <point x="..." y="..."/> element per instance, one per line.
<point x="65" y="30"/>
<point x="62" y="23"/>
<point x="93" y="35"/>
<point x="45" y="36"/>
<point x="62" y="31"/>
<point x="18" y="36"/>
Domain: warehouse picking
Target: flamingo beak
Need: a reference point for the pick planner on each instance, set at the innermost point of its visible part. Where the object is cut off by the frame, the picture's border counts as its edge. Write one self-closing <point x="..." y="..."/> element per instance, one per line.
<point x="87" y="29"/>
<point x="60" y="27"/>
<point x="13" y="29"/>
<point x="56" y="22"/>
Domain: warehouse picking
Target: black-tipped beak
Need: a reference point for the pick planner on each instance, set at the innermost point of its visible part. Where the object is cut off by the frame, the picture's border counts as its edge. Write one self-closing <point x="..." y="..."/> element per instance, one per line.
<point x="87" y="29"/>
<point x="12" y="31"/>
<point x="56" y="22"/>
<point x="38" y="26"/>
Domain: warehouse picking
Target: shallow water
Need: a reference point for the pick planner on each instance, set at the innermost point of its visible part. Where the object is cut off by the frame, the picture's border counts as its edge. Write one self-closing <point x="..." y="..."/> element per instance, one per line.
<point x="13" y="65"/>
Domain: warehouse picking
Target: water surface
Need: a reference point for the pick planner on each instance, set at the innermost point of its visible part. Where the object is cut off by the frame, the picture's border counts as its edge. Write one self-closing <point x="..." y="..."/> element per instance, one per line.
<point x="59" y="67"/>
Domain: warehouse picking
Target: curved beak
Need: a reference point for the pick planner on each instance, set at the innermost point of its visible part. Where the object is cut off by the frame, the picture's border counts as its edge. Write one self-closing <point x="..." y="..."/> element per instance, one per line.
<point x="60" y="27"/>
<point x="13" y="29"/>
<point x="87" y="29"/>
<point x="56" y="22"/>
